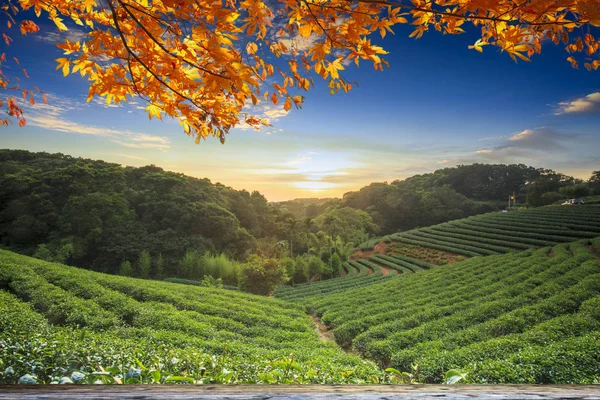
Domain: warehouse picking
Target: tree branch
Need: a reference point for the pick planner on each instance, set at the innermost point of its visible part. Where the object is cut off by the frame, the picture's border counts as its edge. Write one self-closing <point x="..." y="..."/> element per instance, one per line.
<point x="162" y="47"/>
<point x="135" y="56"/>
<point x="468" y="17"/>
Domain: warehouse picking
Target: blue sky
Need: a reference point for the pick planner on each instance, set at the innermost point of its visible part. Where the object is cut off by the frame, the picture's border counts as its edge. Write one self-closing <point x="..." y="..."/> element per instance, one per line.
<point x="438" y="105"/>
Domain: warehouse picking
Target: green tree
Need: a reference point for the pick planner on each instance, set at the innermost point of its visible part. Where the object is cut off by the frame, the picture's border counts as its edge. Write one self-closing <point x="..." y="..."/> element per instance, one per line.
<point x="290" y="267"/>
<point x="43" y="253"/>
<point x="594" y="182"/>
<point x="550" y="198"/>
<point x="300" y="270"/>
<point x="159" y="268"/>
<point x="344" y="250"/>
<point x="315" y="267"/>
<point x="336" y="265"/>
<point x="126" y="269"/>
<point x="144" y="265"/>
<point x="209" y="281"/>
<point x="191" y="266"/>
<point x="64" y="253"/>
<point x="261" y="275"/>
<point x="580" y="189"/>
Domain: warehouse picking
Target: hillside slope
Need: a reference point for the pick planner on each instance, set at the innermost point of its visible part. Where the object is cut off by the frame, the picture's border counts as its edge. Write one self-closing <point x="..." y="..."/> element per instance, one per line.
<point x="56" y="319"/>
<point x="483" y="235"/>
<point x="532" y="316"/>
<point x="496" y="233"/>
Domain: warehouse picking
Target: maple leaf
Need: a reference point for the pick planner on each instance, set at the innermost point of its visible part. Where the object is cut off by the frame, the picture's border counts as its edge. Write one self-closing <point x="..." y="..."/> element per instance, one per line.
<point x="59" y="24"/>
<point x="199" y="62"/>
<point x="251" y="48"/>
<point x="334" y="67"/>
<point x="63" y="63"/>
<point x="154" y="111"/>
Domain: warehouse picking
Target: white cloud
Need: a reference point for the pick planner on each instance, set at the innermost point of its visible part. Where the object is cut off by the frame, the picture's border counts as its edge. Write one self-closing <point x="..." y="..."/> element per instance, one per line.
<point x="299" y="43"/>
<point x="543" y="138"/>
<point x="527" y="143"/>
<point x="102" y="103"/>
<point x="74" y="35"/>
<point x="273" y="113"/>
<point x="53" y="116"/>
<point x="299" y="160"/>
<point x="137" y="158"/>
<point x="142" y="145"/>
<point x="583" y="105"/>
<point x="491" y="138"/>
<point x="267" y="111"/>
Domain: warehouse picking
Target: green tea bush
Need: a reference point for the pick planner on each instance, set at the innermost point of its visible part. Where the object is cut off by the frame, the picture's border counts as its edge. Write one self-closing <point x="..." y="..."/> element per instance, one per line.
<point x="494" y="317"/>
<point x="63" y="324"/>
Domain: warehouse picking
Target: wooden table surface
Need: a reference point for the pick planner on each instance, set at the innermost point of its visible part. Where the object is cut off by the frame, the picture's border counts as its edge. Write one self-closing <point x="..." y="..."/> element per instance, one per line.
<point x="299" y="392"/>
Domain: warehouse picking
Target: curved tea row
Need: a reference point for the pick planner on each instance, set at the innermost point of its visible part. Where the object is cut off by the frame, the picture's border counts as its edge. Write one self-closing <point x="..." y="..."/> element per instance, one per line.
<point x="55" y="319"/>
<point x="525" y="317"/>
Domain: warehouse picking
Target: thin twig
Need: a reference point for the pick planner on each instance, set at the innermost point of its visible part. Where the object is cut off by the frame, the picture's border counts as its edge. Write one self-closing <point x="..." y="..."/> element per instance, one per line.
<point x="163" y="48"/>
<point x="135" y="56"/>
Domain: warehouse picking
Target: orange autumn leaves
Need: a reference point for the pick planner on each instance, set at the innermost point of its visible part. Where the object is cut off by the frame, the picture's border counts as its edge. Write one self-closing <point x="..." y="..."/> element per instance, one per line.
<point x="207" y="63"/>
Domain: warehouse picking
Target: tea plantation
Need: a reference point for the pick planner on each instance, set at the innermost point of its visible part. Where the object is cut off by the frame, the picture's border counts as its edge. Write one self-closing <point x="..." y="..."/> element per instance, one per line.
<point x="525" y="317"/>
<point x="519" y="303"/>
<point x="55" y="320"/>
<point x="497" y="233"/>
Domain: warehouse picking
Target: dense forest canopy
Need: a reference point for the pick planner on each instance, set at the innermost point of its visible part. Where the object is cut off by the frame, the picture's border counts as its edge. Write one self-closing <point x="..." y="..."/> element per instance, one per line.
<point x="149" y="222"/>
<point x="459" y="192"/>
<point x="110" y="213"/>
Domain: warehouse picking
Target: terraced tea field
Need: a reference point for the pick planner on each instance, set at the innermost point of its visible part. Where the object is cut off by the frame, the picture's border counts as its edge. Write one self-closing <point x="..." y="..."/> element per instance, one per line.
<point x="56" y="319"/>
<point x="518" y="303"/>
<point x="359" y="273"/>
<point x="520" y="318"/>
<point x="497" y="233"/>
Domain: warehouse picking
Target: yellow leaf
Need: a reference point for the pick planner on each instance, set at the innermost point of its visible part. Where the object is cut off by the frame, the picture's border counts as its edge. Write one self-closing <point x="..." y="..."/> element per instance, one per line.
<point x="305" y="30"/>
<point x="251" y="48"/>
<point x="254" y="99"/>
<point x="59" y="24"/>
<point x="287" y="105"/>
<point x="232" y="17"/>
<point x="153" y="111"/>
<point x="63" y="63"/>
<point x="186" y="127"/>
<point x="522" y="57"/>
<point x="298" y="100"/>
<point x="521" y="47"/>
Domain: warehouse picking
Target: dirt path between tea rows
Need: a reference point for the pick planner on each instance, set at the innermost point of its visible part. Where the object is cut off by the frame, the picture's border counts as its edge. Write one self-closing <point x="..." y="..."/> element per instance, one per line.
<point x="324" y="333"/>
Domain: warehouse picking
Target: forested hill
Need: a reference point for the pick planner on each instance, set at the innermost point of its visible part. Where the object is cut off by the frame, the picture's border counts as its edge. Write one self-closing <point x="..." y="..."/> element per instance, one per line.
<point x="99" y="215"/>
<point x="459" y="192"/>
<point x="108" y="213"/>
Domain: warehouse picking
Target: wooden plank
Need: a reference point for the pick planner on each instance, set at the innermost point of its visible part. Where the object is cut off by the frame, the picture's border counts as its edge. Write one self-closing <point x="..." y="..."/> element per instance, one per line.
<point x="300" y="392"/>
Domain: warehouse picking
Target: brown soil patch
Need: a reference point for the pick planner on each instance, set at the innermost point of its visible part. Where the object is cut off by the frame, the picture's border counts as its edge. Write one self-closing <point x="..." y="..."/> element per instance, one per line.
<point x="324" y="333"/>
<point x="432" y="256"/>
<point x="379" y="249"/>
<point x="384" y="270"/>
<point x="381" y="246"/>
<point x="361" y="254"/>
<point x="551" y="254"/>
